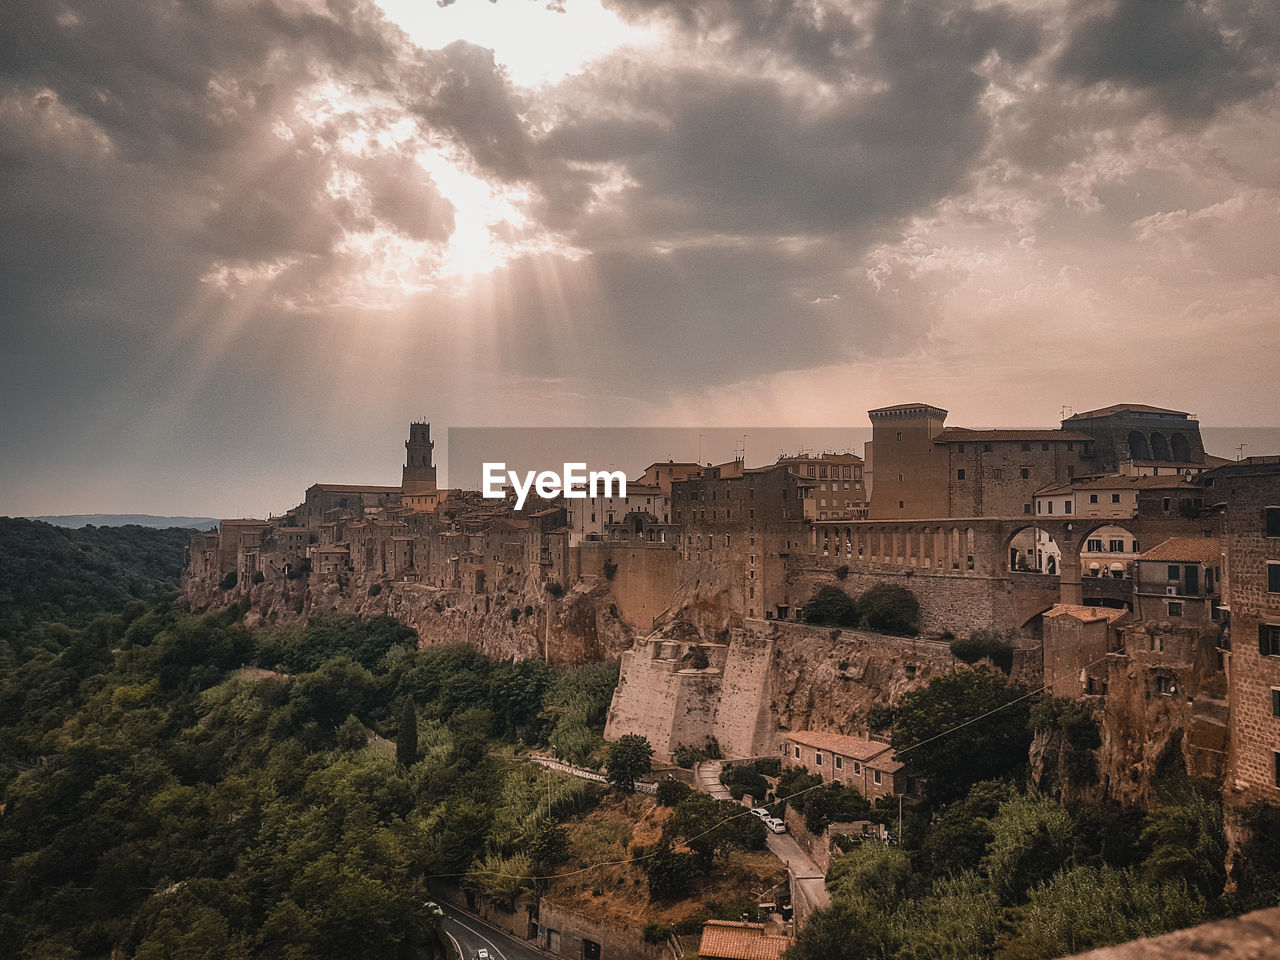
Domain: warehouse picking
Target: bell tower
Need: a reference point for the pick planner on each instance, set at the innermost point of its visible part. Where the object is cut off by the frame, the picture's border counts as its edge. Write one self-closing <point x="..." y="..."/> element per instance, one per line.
<point x="419" y="471"/>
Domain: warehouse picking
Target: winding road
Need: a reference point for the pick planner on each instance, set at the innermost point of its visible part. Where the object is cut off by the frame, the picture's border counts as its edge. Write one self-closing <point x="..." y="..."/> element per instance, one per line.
<point x="469" y="935"/>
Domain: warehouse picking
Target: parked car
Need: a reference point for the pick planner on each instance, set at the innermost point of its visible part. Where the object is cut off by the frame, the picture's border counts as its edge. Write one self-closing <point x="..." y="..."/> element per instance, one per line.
<point x="775" y="825"/>
<point x="761" y="812"/>
<point x="482" y="954"/>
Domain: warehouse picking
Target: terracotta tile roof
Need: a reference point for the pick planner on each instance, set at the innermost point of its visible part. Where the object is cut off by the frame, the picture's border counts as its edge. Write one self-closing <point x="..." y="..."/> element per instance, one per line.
<point x="867" y="751"/>
<point x="735" y="940"/>
<point x="965" y="435"/>
<point x="1083" y="613"/>
<point x="1186" y="550"/>
<point x="1126" y="408"/>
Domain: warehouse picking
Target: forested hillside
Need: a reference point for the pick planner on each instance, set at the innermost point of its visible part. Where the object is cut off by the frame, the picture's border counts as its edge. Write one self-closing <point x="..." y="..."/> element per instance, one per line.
<point x="70" y="576"/>
<point x="161" y="801"/>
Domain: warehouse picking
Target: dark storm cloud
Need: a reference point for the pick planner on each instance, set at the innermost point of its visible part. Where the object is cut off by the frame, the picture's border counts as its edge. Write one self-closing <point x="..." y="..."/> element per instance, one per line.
<point x="819" y="37"/>
<point x="172" y="82"/>
<point x="712" y="148"/>
<point x="1192" y="58"/>
<point x="459" y="90"/>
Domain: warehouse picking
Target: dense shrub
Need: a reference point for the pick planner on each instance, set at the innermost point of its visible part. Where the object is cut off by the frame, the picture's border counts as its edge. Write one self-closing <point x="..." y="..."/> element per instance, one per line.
<point x="833" y="607"/>
<point x="991" y="644"/>
<point x="889" y="608"/>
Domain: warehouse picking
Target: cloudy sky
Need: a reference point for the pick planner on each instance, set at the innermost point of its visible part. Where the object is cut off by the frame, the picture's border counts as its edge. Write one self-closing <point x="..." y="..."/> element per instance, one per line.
<point x="243" y="242"/>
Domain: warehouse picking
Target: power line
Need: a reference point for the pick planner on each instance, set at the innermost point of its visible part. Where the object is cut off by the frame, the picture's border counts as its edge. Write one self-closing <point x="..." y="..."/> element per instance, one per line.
<point x="744" y="813"/>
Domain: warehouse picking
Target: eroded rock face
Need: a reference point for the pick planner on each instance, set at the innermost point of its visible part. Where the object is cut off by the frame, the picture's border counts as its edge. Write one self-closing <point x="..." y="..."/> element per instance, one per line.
<point x="826" y="679"/>
<point x="580" y="626"/>
<point x="1163" y="718"/>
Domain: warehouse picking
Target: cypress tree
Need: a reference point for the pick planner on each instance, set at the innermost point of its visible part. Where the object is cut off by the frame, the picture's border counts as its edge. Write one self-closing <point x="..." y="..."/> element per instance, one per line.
<point x="407" y="735"/>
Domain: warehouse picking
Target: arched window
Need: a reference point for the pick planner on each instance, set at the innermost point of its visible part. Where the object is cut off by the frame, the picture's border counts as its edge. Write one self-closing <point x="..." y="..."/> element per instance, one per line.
<point x="1138" y="449"/>
<point x="1181" y="450"/>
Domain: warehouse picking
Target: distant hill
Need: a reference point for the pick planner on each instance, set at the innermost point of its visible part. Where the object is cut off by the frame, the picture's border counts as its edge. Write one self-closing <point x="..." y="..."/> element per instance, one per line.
<point x="75" y="521"/>
<point x="53" y="573"/>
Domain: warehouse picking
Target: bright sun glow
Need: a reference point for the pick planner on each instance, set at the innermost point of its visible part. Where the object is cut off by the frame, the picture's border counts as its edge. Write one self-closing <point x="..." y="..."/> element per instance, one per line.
<point x="535" y="44"/>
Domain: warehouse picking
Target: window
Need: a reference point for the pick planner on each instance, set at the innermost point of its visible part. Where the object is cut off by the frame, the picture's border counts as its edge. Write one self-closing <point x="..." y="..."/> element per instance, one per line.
<point x="876" y="776"/>
<point x="1026" y="447"/>
<point x="1044" y="446"/>
<point x="1066" y="506"/>
<point x="1026" y="508"/>
<point x="1025" y="473"/>
<point x="1117" y="546"/>
<point x="1175" y="608"/>
<point x="1050" y="510"/>
<point x="1115" y="498"/>
<point x="1093" y="546"/>
<point x="1165" y="686"/>
<point x="1071" y="446"/>
<point x="959" y="448"/>
<point x="1175" y="573"/>
<point x="1273" y="578"/>
<point x="902" y="504"/>
<point x="998" y="473"/>
<point x="1275" y="701"/>
<point x="1093" y="498"/>
<point x="959" y="474"/>
<point x="797" y="753"/>
<point x="899" y="478"/>
<point x="1277" y="760"/>
<point x="1165" y="504"/>
<point x="817" y="758"/>
<point x="899" y="434"/>
<point x="1271" y="517"/>
<point x="839" y="761"/>
<point x="986" y="448"/>
<point x="857" y="767"/>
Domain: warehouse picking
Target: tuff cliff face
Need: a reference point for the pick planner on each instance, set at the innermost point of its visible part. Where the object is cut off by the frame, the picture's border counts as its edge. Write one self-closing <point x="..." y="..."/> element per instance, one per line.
<point x="580" y="626"/>
<point x="823" y="678"/>
<point x="768" y="678"/>
<point x="1162" y="719"/>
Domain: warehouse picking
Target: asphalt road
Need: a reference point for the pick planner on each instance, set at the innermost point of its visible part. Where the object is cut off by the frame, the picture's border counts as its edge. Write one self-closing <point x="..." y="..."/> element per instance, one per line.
<point x="470" y="935"/>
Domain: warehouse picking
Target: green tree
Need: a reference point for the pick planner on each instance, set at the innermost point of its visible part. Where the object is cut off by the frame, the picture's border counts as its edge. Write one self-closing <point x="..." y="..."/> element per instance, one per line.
<point x="1088" y="907"/>
<point x="831" y="606"/>
<point x="963" y="727"/>
<point x="407" y="734"/>
<point x="890" y="608"/>
<point x="957" y="839"/>
<point x="669" y="872"/>
<point x="1031" y="837"/>
<point x="847" y="930"/>
<point x="709" y="827"/>
<point x="1187" y="843"/>
<point x="629" y="758"/>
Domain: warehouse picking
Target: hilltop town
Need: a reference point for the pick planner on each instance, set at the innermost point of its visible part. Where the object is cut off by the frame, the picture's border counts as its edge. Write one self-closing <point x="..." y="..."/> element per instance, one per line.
<point x="1109" y="560"/>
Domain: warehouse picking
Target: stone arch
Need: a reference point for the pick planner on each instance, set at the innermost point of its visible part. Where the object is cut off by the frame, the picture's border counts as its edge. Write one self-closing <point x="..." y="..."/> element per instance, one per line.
<point x="1181" y="449"/>
<point x="1159" y="447"/>
<point x="1138" y="449"/>
<point x="1026" y="552"/>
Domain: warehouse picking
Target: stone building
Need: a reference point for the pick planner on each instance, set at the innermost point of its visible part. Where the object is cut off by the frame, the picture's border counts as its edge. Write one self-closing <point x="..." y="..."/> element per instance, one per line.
<point x="840" y="491"/>
<point x="867" y="766"/>
<point x="924" y="469"/>
<point x="739" y="531"/>
<point x="1180" y="579"/>
<point x="1137" y="438"/>
<point x="1250" y="490"/>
